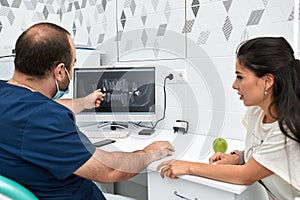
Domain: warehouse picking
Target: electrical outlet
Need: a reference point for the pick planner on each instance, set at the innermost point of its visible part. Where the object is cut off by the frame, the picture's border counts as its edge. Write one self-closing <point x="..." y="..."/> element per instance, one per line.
<point x="179" y="76"/>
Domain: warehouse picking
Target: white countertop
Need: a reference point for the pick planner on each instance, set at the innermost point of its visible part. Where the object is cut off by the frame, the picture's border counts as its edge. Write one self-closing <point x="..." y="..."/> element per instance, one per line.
<point x="187" y="147"/>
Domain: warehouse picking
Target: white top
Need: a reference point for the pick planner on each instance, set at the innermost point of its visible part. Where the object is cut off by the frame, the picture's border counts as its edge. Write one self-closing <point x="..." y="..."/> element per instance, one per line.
<point x="272" y="149"/>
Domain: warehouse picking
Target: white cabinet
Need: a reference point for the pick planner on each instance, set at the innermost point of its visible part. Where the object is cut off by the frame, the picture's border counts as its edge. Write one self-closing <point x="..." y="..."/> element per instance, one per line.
<point x="177" y="189"/>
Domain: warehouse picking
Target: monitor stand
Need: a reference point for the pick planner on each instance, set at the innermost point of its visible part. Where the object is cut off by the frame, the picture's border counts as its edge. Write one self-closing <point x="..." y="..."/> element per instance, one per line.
<point x="146" y="131"/>
<point x="115" y="125"/>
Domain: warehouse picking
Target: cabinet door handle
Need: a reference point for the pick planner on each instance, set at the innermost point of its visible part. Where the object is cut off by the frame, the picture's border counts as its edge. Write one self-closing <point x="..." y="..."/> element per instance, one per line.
<point x="183" y="197"/>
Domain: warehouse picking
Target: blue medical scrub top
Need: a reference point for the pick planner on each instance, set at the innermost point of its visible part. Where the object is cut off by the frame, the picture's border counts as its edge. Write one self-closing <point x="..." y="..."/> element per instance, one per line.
<point x="41" y="147"/>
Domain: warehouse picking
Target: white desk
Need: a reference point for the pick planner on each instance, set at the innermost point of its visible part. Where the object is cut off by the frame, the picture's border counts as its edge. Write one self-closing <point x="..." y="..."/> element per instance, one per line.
<point x="188" y="147"/>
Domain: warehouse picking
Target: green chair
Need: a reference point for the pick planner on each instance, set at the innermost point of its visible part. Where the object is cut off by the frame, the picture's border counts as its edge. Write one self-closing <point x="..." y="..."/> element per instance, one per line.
<point x="14" y="190"/>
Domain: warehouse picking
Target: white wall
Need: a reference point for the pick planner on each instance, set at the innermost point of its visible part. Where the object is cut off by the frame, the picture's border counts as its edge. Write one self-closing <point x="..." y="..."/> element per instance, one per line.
<point x="154" y="32"/>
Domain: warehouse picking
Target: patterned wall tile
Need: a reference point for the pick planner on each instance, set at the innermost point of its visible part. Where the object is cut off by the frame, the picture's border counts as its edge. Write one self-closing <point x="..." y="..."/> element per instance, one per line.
<point x="227" y="4"/>
<point x="146" y="24"/>
<point x="4" y="11"/>
<point x="144" y="15"/>
<point x="227" y="28"/>
<point x="203" y="37"/>
<point x="150" y="27"/>
<point x="167" y="10"/>
<point x="244" y="36"/>
<point x="16" y="3"/>
<point x="255" y="17"/>
<point x="265" y="2"/>
<point x="195" y="7"/>
<point x="188" y="26"/>
<point x="4" y="3"/>
<point x="132" y="7"/>
<point x="123" y="19"/>
<point x="291" y="16"/>
<point x="161" y="30"/>
<point x="154" y="4"/>
<point x="144" y="37"/>
<point x="100" y="38"/>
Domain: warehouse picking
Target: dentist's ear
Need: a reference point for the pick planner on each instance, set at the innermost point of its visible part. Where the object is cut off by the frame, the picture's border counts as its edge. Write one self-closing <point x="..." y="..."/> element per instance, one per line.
<point x="58" y="71"/>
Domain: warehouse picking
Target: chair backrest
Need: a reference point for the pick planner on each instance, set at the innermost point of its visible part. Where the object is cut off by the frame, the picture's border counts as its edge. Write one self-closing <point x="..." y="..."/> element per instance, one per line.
<point x="14" y="190"/>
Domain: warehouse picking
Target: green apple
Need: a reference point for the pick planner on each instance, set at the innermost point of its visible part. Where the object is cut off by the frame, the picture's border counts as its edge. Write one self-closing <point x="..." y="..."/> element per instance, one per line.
<point x="220" y="145"/>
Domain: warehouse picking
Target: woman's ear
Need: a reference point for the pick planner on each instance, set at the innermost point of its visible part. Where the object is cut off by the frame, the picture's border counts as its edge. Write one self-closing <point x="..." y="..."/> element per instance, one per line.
<point x="269" y="81"/>
<point x="58" y="71"/>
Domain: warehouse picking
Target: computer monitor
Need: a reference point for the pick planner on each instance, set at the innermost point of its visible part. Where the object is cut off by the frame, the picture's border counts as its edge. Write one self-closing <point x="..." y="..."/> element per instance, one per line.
<point x="129" y="93"/>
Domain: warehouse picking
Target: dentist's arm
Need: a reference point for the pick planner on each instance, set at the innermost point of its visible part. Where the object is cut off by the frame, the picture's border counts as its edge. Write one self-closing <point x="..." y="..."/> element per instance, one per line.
<point x="92" y="100"/>
<point x="111" y="167"/>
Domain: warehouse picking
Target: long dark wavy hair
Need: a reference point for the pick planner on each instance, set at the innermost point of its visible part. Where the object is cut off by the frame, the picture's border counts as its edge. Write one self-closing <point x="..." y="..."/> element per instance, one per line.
<point x="274" y="55"/>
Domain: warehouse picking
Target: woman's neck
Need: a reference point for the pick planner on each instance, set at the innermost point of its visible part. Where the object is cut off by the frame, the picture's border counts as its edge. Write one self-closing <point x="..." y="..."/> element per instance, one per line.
<point x="268" y="119"/>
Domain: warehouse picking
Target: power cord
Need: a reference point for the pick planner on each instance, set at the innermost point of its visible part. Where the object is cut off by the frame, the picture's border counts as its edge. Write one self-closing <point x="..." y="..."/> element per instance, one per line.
<point x="7" y="56"/>
<point x="170" y="77"/>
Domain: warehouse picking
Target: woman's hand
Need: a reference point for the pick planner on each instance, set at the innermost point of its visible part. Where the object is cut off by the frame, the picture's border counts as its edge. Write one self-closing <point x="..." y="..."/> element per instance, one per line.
<point x="174" y="168"/>
<point x="222" y="158"/>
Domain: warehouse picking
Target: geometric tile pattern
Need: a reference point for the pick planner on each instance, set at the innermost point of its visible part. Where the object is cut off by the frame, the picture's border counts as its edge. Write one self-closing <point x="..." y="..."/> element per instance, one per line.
<point x="203" y="37"/>
<point x="144" y="38"/>
<point x="11" y="17"/>
<point x="227" y="28"/>
<point x="291" y="16"/>
<point x="154" y="4"/>
<point x="70" y="7"/>
<point x="132" y="7"/>
<point x="76" y="5"/>
<point x="100" y="38"/>
<point x="167" y="11"/>
<point x="88" y="26"/>
<point x="144" y="15"/>
<point x="123" y="19"/>
<point x="4" y="11"/>
<point x="42" y="10"/>
<point x="45" y="12"/>
<point x="101" y="7"/>
<point x="245" y="36"/>
<point x="188" y="26"/>
<point x="119" y="36"/>
<point x="4" y="3"/>
<point x="45" y="9"/>
<point x="38" y="16"/>
<point x="79" y="16"/>
<point x="227" y="4"/>
<point x="155" y="48"/>
<point x="127" y="3"/>
<point x="265" y="2"/>
<point x="83" y="4"/>
<point x="255" y="17"/>
<point x="195" y="7"/>
<point x="161" y="30"/>
<point x="74" y="28"/>
<point x="60" y="14"/>
<point x="16" y="3"/>
<point x="30" y="5"/>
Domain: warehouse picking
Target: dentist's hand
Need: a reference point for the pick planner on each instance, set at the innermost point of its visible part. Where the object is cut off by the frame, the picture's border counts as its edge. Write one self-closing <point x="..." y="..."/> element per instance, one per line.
<point x="94" y="99"/>
<point x="159" y="150"/>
